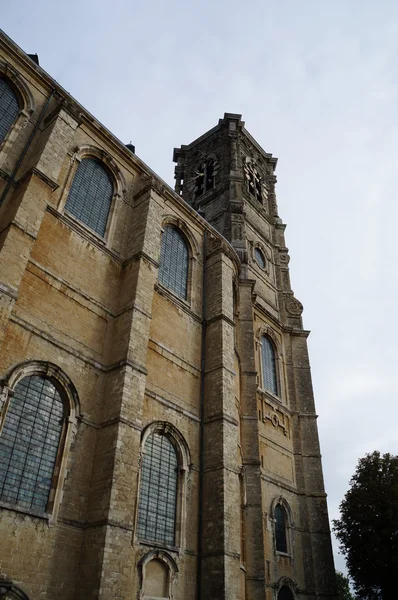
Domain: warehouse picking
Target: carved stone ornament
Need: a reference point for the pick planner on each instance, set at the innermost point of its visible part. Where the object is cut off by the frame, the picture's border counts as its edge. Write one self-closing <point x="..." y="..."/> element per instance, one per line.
<point x="277" y="418"/>
<point x="294" y="307"/>
<point x="284" y="258"/>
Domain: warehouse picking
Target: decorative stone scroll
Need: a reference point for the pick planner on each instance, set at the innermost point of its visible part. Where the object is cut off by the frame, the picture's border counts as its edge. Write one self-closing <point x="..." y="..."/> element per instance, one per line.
<point x="294" y="307"/>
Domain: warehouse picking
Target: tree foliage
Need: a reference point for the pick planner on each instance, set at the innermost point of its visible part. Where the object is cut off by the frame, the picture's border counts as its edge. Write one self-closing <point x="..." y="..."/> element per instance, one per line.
<point x="343" y="587"/>
<point x="368" y="527"/>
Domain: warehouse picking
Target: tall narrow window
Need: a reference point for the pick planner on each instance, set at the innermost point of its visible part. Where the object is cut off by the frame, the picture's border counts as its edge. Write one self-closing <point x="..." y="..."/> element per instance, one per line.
<point x="9" y="108"/>
<point x="268" y="365"/>
<point x="158" y="490"/>
<point x="280" y="529"/>
<point x="90" y="195"/>
<point x="29" y="443"/>
<point x="173" y="269"/>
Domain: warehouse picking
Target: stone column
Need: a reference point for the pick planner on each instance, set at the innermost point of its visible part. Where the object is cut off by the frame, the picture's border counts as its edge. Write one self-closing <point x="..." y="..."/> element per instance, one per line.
<point x="221" y="491"/>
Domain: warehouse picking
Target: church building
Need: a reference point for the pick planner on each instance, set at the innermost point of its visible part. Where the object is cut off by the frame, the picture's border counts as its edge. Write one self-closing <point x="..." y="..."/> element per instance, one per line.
<point x="158" y="434"/>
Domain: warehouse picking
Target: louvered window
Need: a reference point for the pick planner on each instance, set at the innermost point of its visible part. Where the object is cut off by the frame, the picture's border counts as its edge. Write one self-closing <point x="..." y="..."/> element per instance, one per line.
<point x="280" y="529"/>
<point x="173" y="269"/>
<point x="90" y="195"/>
<point x="158" y="490"/>
<point x="29" y="443"/>
<point x="268" y="365"/>
<point x="9" y="108"/>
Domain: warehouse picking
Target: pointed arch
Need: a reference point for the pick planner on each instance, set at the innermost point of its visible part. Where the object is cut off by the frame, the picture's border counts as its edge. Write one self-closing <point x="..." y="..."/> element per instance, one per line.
<point x="287" y="589"/>
<point x="153" y="582"/>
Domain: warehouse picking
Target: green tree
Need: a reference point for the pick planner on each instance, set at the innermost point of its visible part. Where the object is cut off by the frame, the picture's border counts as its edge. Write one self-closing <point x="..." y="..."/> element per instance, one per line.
<point x="343" y="587"/>
<point x="368" y="527"/>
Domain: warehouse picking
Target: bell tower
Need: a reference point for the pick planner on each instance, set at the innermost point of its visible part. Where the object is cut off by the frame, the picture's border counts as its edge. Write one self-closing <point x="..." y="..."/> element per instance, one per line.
<point x="223" y="172"/>
<point x="285" y="537"/>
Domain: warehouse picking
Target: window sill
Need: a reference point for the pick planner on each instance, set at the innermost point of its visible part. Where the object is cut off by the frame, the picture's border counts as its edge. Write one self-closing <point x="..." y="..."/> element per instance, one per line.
<point x="85" y="228"/>
<point x="183" y="304"/>
<point x="25" y="511"/>
<point x="283" y="554"/>
<point x="160" y="546"/>
<point x="269" y="395"/>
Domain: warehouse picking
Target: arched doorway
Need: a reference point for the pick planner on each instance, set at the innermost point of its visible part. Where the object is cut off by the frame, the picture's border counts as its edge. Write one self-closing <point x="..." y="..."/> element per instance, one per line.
<point x="285" y="593"/>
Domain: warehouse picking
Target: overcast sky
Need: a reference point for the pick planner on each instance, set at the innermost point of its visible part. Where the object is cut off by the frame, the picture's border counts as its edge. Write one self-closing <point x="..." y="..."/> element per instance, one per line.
<point x="317" y="85"/>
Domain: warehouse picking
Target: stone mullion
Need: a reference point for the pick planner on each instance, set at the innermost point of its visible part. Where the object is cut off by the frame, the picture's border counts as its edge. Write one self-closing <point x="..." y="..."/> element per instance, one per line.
<point x="220" y="572"/>
<point x="253" y="519"/>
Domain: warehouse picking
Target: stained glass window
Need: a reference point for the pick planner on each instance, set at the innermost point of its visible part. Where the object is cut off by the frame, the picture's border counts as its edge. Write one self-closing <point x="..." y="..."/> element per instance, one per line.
<point x="280" y="529"/>
<point x="268" y="365"/>
<point x="9" y="108"/>
<point x="173" y="269"/>
<point x="90" y="195"/>
<point x="158" y="490"/>
<point x="29" y="443"/>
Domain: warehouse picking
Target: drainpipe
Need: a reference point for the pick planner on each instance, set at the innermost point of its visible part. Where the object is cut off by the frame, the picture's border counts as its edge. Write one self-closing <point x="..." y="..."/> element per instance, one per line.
<point x="202" y="410"/>
<point x="26" y="148"/>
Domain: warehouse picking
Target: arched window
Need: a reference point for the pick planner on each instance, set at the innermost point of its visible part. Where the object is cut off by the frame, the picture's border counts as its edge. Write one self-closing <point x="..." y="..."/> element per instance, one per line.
<point x="268" y="365"/>
<point x="285" y="593"/>
<point x="8" y="591"/>
<point x="174" y="261"/>
<point x="90" y="195"/>
<point x="158" y="490"/>
<point x="9" y="108"/>
<point x="280" y="529"/>
<point x="30" y="440"/>
<point x="259" y="257"/>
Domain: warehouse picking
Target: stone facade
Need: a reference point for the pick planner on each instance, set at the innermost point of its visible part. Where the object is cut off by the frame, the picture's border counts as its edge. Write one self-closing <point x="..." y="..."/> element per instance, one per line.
<point x="131" y="359"/>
